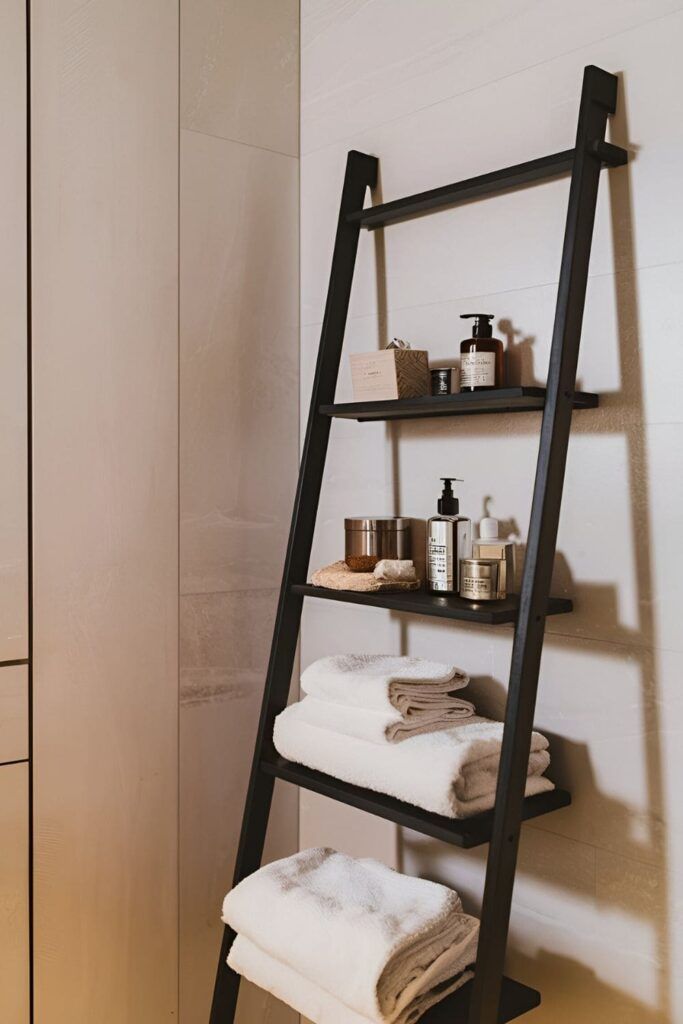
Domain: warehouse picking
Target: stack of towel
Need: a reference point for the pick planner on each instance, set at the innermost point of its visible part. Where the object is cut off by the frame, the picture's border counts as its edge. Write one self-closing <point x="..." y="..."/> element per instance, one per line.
<point x="357" y="708"/>
<point x="347" y="941"/>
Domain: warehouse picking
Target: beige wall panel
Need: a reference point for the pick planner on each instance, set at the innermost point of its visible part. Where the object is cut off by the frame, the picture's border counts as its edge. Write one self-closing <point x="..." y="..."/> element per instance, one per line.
<point x="239" y="377"/>
<point x="14" y="948"/>
<point x="13" y="713"/>
<point x="105" y="93"/>
<point x="240" y="71"/>
<point x="239" y="426"/>
<point x="13" y="518"/>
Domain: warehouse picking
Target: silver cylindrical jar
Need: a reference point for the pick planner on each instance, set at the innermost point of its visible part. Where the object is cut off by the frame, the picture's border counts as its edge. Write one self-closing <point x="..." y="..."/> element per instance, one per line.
<point x="372" y="538"/>
<point x="479" y="579"/>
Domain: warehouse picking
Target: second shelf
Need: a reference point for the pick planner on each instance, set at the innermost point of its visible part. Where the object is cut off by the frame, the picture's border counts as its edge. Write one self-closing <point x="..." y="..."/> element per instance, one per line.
<point x="450" y="606"/>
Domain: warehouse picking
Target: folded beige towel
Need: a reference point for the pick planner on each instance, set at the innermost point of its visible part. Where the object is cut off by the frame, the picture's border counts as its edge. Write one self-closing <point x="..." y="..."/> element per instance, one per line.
<point x="380" y="697"/>
<point x="338" y="576"/>
<point x="380" y="726"/>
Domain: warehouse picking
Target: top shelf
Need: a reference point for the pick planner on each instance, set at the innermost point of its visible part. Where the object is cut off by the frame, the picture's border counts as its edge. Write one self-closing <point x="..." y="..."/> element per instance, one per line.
<point x="465" y="403"/>
<point x="483" y="185"/>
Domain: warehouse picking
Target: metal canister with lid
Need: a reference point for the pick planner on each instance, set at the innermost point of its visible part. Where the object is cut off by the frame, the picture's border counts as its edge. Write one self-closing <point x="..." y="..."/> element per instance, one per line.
<point x="480" y="579"/>
<point x="372" y="538"/>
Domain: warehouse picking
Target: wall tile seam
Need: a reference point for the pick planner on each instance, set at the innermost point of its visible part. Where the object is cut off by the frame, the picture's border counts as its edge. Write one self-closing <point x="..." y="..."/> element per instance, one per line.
<point x="496" y="81"/>
<point x="239" y="142"/>
<point x="539" y="286"/>
<point x="598" y="848"/>
<point x="606" y="641"/>
<point x="238" y="590"/>
<point x="565" y="839"/>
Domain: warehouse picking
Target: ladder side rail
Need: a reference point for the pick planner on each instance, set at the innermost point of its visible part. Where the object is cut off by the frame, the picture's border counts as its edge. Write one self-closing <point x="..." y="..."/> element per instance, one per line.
<point x="598" y="101"/>
<point x="361" y="173"/>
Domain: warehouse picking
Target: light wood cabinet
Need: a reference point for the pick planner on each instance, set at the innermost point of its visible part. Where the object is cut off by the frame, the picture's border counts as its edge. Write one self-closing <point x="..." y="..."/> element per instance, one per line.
<point x="13" y="713"/>
<point x="13" y="332"/>
<point x="14" y="913"/>
<point x="14" y="778"/>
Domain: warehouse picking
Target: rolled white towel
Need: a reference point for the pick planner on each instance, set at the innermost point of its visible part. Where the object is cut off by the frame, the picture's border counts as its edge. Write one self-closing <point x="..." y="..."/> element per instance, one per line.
<point x="382" y="726"/>
<point x="452" y="773"/>
<point x="385" y="945"/>
<point x="383" y="682"/>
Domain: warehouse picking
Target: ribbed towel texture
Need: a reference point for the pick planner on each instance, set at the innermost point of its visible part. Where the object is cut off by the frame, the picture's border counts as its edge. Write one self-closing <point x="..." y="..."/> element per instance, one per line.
<point x="382" y="698"/>
<point x="347" y="941"/>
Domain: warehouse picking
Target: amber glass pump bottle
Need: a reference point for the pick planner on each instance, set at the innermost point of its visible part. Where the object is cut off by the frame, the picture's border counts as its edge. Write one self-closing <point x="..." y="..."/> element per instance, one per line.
<point x="482" y="360"/>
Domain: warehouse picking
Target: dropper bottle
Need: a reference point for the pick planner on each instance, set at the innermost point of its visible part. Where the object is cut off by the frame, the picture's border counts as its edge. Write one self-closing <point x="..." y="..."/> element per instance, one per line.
<point x="449" y="539"/>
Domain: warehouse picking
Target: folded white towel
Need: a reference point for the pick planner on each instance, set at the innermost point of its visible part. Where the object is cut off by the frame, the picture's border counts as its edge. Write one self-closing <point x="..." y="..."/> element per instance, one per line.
<point x="383" y="682"/>
<point x="452" y="773"/>
<point x="309" y="999"/>
<point x="383" y="944"/>
<point x="382" y="726"/>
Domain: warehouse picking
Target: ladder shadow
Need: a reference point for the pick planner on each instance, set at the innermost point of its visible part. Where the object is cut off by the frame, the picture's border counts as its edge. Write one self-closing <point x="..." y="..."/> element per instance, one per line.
<point x="574" y="984"/>
<point x="621" y="413"/>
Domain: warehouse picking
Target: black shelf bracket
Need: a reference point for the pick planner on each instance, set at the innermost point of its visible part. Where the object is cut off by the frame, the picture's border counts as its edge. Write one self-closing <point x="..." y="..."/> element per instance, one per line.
<point x="489" y="998"/>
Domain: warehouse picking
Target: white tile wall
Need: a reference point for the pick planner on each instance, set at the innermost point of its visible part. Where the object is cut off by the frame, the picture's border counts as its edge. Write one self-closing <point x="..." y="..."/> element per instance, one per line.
<point x="439" y="92"/>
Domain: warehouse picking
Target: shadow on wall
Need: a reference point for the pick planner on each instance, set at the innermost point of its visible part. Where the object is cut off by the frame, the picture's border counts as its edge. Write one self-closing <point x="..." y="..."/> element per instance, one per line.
<point x="573" y="992"/>
<point x="569" y="987"/>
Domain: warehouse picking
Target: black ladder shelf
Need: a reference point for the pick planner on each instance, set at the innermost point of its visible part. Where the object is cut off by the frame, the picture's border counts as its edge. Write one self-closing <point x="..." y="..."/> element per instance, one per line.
<point x="489" y="998"/>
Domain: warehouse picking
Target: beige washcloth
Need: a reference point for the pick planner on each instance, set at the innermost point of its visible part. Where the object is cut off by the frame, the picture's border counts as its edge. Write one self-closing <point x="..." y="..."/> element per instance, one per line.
<point x="338" y="576"/>
<point x="383" y="697"/>
<point x="395" y="570"/>
<point x="379" y="726"/>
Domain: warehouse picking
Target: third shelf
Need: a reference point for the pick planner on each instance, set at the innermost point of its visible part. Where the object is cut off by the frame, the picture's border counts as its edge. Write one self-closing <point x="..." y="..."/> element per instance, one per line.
<point x="464" y="832"/>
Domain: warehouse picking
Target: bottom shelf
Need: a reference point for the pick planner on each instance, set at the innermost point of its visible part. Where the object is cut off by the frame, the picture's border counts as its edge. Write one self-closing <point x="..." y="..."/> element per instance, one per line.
<point x="515" y="1000"/>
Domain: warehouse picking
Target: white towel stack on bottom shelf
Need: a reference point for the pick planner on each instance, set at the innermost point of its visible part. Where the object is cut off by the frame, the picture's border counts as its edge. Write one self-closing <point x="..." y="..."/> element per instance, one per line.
<point x="356" y="709"/>
<point x="347" y="941"/>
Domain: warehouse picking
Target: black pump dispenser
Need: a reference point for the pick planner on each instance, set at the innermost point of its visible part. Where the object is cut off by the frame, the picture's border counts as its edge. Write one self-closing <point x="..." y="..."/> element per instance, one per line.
<point x="448" y="504"/>
<point x="449" y="540"/>
<point x="482" y="324"/>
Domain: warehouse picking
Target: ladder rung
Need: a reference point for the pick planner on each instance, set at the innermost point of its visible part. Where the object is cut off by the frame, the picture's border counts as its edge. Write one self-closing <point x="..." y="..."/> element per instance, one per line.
<point x="465" y="832"/>
<point x="419" y="602"/>
<point x="483" y="185"/>
<point x="500" y="400"/>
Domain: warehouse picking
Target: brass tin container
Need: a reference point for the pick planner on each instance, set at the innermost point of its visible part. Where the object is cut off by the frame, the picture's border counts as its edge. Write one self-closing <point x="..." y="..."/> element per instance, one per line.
<point x="368" y="539"/>
<point x="480" y="579"/>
